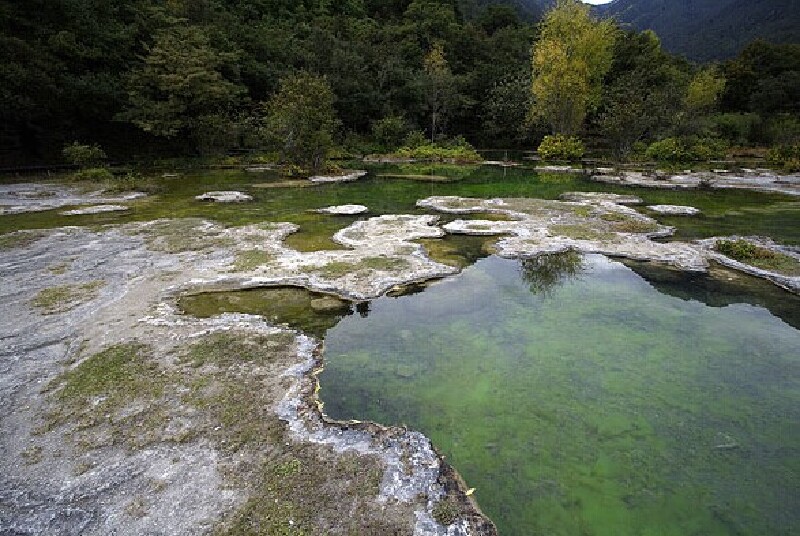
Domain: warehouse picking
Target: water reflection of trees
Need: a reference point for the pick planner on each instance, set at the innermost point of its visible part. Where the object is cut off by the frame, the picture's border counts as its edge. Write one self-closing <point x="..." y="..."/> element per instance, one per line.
<point x="544" y="273"/>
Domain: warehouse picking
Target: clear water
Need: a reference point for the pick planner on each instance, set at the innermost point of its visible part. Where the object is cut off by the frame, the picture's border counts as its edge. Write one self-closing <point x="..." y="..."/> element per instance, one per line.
<point x="579" y="398"/>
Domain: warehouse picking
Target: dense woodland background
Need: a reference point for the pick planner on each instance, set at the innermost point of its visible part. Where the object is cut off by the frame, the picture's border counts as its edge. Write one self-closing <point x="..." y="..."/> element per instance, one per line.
<point x="153" y="78"/>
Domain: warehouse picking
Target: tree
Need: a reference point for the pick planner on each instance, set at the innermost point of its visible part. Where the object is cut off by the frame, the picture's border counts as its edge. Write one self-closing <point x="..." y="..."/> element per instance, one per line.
<point x="704" y="91"/>
<point x="301" y="120"/>
<point x="183" y="85"/>
<point x="439" y="89"/>
<point x="569" y="61"/>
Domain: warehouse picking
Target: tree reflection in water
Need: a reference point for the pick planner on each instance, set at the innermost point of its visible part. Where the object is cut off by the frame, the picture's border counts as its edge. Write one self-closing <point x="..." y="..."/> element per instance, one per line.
<point x="544" y="273"/>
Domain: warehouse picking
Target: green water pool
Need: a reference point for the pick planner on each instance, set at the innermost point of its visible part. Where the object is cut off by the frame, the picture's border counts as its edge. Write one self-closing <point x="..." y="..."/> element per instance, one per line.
<point x="580" y="398"/>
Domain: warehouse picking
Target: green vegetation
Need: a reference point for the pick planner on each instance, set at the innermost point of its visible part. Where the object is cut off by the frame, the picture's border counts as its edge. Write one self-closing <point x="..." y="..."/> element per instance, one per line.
<point x="760" y="257"/>
<point x="19" y="239"/>
<point x="250" y="259"/>
<point x="560" y="147"/>
<point x="446" y="511"/>
<point x="248" y="83"/>
<point x="457" y="152"/>
<point x="785" y="156"/>
<point x="570" y="59"/>
<point x="64" y="298"/>
<point x="337" y="269"/>
<point x="579" y="231"/>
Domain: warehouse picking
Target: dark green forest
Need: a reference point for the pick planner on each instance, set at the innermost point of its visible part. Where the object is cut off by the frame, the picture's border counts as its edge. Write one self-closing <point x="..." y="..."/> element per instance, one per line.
<point x="155" y="78"/>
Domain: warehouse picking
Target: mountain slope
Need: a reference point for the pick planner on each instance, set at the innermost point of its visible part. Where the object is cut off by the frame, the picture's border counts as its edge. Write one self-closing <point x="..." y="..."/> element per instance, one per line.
<point x="706" y="30"/>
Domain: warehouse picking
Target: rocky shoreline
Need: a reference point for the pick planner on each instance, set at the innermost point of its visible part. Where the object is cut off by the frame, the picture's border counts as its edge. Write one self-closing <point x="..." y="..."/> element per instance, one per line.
<point x="181" y="438"/>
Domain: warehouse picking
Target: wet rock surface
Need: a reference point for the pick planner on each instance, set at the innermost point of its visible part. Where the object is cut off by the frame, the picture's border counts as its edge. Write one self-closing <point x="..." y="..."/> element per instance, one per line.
<point x="95" y="209"/>
<point x="224" y="196"/>
<point x="674" y="210"/>
<point x="348" y="176"/>
<point x="34" y="197"/>
<point x="344" y="210"/>
<point x="758" y="180"/>
<point x="156" y="461"/>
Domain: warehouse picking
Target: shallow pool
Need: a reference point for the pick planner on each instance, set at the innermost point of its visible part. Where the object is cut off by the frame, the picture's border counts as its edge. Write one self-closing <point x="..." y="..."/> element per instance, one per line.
<point x="579" y="398"/>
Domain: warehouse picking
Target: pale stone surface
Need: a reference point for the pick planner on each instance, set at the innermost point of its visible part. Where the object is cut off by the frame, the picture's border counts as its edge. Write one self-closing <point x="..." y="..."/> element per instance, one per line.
<point x="595" y="197"/>
<point x="554" y="226"/>
<point x="34" y="197"/>
<point x="345" y="177"/>
<point x="674" y="210"/>
<point x="225" y="196"/>
<point x="759" y="180"/>
<point x="343" y="210"/>
<point x="96" y="209"/>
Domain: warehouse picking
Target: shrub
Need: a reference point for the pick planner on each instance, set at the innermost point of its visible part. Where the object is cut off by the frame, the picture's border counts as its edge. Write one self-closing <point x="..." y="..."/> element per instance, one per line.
<point x="93" y="175"/>
<point x="436" y="152"/>
<point x="415" y="138"/>
<point x="785" y="156"/>
<point x="84" y="155"/>
<point x="560" y="147"/>
<point x="677" y="150"/>
<point x="742" y="250"/>
<point x="390" y="131"/>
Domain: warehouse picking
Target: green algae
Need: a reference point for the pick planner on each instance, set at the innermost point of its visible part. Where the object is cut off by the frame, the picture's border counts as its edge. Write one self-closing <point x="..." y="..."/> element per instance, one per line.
<point x="64" y="298"/>
<point x="310" y="312"/>
<point x="594" y="404"/>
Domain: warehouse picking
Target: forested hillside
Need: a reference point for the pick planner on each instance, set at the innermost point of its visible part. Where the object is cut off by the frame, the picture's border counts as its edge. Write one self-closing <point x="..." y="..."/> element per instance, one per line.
<point x="705" y="30"/>
<point x="184" y="72"/>
<point x="156" y="78"/>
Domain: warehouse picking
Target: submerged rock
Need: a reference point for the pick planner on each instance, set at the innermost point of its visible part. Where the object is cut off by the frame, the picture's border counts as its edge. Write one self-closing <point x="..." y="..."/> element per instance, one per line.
<point x="343" y="210"/>
<point x="224" y="196"/>
<point x="674" y="210"/>
<point x="31" y="197"/>
<point x="96" y="209"/>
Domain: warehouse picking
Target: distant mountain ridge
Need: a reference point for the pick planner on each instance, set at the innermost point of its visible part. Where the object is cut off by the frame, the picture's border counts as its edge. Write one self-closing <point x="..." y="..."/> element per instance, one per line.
<point x="708" y="30"/>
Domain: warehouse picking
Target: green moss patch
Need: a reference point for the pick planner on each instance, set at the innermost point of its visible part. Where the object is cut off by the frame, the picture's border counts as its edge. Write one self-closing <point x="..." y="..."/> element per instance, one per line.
<point x="65" y="297"/>
<point x="337" y="269"/>
<point x="19" y="239"/>
<point x="251" y="259"/>
<point x="176" y="236"/>
<point x="580" y="232"/>
<point x="760" y="257"/>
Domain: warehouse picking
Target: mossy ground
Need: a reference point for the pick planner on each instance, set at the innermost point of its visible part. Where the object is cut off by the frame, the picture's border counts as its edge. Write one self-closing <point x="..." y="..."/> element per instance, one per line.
<point x="222" y="388"/>
<point x="64" y="298"/>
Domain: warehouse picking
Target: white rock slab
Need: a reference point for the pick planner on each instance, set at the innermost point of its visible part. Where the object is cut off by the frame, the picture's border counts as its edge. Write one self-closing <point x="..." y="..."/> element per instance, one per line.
<point x="674" y="210"/>
<point x="96" y="209"/>
<point x="343" y="210"/>
<point x="224" y="196"/>
<point x="601" y="197"/>
<point x="347" y="177"/>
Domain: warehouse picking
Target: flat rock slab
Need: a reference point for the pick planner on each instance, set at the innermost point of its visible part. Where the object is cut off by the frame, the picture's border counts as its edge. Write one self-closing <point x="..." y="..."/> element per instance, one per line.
<point x="343" y="210"/>
<point x="674" y="210"/>
<point x="601" y="197"/>
<point x="347" y="177"/>
<point x="96" y="209"/>
<point x="759" y="180"/>
<point x="224" y="196"/>
<point x="33" y="197"/>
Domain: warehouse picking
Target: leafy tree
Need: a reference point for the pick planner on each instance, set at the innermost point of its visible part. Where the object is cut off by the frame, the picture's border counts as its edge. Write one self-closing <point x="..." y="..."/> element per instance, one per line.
<point x="704" y="91"/>
<point x="570" y="59"/>
<point x="301" y="120"/>
<point x="83" y="155"/>
<point x="438" y="87"/>
<point x="183" y="84"/>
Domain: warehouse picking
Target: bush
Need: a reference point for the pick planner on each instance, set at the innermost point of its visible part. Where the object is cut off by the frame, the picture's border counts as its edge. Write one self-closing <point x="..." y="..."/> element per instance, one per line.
<point x="460" y="152"/>
<point x="93" y="175"/>
<point x="736" y="128"/>
<point x="785" y="156"/>
<point x="676" y="150"/>
<point x="560" y="147"/>
<point x="742" y="250"/>
<point x="415" y="138"/>
<point x="390" y="131"/>
<point x="84" y="156"/>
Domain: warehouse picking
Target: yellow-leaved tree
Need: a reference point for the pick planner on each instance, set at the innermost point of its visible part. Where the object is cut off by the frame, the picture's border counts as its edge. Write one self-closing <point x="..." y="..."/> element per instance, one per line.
<point x="570" y="59"/>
